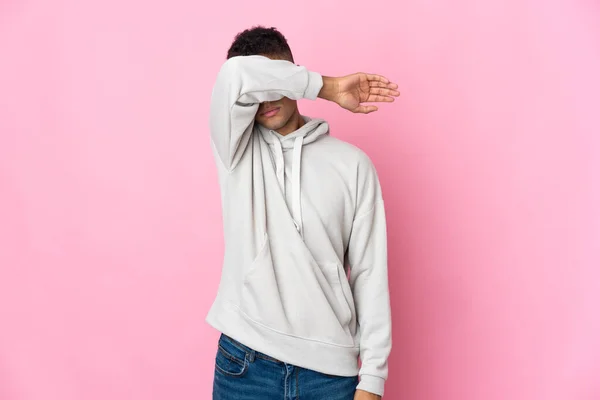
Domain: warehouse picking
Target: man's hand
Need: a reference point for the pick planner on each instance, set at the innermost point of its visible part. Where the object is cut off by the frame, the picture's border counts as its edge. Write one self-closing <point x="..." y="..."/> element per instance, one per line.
<point x="353" y="90"/>
<point x="362" y="395"/>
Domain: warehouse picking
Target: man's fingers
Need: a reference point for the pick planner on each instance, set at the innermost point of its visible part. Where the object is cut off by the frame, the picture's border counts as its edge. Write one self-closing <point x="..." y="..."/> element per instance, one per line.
<point x="380" y="81"/>
<point x="381" y="90"/>
<point x="380" y="99"/>
<point x="375" y="84"/>
<point x="384" y="92"/>
<point x="377" y="78"/>
<point x="383" y="85"/>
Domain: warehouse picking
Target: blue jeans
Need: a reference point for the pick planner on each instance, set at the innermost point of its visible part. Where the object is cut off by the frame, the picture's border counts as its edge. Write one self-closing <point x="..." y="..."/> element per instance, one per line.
<point x="244" y="374"/>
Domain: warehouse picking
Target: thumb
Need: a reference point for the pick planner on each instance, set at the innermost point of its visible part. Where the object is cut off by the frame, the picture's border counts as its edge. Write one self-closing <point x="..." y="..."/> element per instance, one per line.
<point x="365" y="109"/>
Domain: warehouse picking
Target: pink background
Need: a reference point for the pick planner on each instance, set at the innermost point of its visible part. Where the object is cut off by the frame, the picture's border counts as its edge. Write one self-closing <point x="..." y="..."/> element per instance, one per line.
<point x="110" y="235"/>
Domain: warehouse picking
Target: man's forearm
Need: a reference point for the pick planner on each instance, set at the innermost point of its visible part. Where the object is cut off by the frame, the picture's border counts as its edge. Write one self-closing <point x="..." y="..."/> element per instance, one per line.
<point x="330" y="89"/>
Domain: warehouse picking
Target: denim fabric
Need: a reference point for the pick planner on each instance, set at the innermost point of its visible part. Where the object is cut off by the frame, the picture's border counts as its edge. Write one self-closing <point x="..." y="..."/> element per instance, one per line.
<point x="244" y="374"/>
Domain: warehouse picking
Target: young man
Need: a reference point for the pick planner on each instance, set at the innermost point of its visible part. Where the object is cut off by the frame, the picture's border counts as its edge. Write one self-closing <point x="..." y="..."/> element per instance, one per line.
<point x="304" y="287"/>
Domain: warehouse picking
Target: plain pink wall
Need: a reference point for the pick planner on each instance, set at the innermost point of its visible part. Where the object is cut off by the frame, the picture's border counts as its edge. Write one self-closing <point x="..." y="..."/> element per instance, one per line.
<point x="110" y="235"/>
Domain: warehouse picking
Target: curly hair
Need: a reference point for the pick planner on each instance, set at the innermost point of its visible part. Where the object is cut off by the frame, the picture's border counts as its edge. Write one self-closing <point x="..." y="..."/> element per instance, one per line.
<point x="259" y="40"/>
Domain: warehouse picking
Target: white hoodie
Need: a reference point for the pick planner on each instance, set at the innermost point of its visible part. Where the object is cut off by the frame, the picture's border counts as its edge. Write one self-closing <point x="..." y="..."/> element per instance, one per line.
<point x="304" y="276"/>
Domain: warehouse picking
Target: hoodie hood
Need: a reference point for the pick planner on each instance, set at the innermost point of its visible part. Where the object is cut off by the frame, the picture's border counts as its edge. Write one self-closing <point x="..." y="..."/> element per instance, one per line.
<point x="278" y="144"/>
<point x="309" y="132"/>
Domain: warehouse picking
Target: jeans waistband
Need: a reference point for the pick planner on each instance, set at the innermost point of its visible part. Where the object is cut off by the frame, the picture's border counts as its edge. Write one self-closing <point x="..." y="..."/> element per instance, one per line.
<point x="251" y="352"/>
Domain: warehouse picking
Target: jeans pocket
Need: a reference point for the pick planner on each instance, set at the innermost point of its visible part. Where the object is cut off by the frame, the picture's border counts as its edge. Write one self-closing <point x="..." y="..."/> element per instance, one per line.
<point x="231" y="361"/>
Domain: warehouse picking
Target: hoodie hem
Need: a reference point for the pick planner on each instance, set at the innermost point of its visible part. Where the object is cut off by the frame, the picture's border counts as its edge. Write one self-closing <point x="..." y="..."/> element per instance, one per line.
<point x="305" y="353"/>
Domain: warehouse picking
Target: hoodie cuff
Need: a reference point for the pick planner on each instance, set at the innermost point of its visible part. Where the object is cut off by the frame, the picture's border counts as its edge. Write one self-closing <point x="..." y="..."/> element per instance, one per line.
<point x="315" y="83"/>
<point x="372" y="384"/>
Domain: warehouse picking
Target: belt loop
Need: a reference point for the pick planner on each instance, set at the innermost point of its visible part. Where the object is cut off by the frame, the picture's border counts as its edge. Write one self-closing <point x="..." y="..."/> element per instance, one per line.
<point x="251" y="356"/>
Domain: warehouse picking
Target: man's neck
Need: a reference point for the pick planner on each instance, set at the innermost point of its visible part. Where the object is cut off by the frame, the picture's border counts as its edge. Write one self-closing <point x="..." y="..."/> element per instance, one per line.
<point x="296" y="122"/>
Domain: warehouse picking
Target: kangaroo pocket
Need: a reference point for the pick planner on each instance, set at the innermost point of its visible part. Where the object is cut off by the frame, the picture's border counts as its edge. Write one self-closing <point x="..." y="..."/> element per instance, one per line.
<point x="342" y="305"/>
<point x="299" y="297"/>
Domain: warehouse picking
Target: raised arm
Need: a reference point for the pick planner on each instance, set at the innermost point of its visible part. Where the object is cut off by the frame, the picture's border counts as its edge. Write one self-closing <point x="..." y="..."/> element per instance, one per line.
<point x="242" y="84"/>
<point x="246" y="81"/>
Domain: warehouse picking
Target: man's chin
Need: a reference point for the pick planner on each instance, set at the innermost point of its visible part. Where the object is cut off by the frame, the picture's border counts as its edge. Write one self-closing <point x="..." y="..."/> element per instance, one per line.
<point x="272" y="125"/>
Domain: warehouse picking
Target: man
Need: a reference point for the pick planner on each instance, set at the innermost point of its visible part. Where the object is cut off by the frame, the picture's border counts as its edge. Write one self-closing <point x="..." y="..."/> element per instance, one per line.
<point x="304" y="288"/>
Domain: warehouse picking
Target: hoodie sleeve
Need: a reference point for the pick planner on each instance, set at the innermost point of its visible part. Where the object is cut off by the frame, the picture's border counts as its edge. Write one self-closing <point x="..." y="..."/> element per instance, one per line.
<point x="242" y="84"/>
<point x="367" y="258"/>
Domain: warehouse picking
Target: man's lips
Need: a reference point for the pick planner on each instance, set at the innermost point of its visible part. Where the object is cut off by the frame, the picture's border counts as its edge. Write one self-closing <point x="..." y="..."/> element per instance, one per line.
<point x="272" y="112"/>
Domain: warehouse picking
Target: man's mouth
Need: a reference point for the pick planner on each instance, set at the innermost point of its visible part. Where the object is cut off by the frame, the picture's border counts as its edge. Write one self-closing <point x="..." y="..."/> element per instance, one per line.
<point x="271" y="113"/>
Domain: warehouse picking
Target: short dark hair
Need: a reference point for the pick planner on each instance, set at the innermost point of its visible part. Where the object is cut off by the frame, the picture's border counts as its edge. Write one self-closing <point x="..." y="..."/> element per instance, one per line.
<point x="259" y="40"/>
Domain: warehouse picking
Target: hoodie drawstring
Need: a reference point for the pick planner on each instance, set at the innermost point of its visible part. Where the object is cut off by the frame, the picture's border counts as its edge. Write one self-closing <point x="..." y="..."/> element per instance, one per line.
<point x="280" y="172"/>
<point x="296" y="162"/>
<point x="279" y="165"/>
